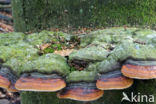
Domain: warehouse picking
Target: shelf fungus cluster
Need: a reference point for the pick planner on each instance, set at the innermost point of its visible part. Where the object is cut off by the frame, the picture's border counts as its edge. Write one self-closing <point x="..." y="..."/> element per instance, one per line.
<point x="109" y="59"/>
<point x="81" y="86"/>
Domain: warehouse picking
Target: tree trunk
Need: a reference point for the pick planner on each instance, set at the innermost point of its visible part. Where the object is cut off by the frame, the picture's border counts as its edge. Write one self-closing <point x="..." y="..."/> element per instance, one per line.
<point x="110" y="97"/>
<point x="147" y="88"/>
<point x="42" y="98"/>
<point x="33" y="15"/>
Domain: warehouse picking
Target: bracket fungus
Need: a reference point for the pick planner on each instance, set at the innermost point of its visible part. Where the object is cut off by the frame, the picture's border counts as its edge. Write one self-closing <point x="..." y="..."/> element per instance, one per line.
<point x="81" y="86"/>
<point x="34" y="72"/>
<point x="54" y="67"/>
<point x="139" y="63"/>
<point x="107" y="59"/>
<point x="142" y="64"/>
<point x="40" y="82"/>
<point x="111" y="77"/>
<point x="7" y="79"/>
<point x="139" y="69"/>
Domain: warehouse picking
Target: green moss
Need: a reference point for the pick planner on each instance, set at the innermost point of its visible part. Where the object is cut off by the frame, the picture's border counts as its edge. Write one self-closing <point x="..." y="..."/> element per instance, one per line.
<point x="136" y="51"/>
<point x="72" y="69"/>
<point x="145" y="36"/>
<point x="47" y="37"/>
<point x="58" y="40"/>
<point x="107" y="36"/>
<point x="48" y="63"/>
<point x="22" y="57"/>
<point x="92" y="67"/>
<point x="17" y="50"/>
<point x="48" y="50"/>
<point x="77" y="76"/>
<point x="90" y="53"/>
<point x="117" y="35"/>
<point x="107" y="65"/>
<point x="51" y="63"/>
<point x="144" y="52"/>
<point x="10" y="38"/>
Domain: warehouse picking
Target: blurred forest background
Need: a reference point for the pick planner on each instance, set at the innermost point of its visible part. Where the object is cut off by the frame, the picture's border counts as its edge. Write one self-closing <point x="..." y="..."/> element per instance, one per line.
<point x="69" y="15"/>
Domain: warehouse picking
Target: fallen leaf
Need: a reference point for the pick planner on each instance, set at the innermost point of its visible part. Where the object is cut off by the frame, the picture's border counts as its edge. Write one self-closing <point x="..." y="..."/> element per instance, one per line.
<point x="44" y="46"/>
<point x="6" y="27"/>
<point x="65" y="52"/>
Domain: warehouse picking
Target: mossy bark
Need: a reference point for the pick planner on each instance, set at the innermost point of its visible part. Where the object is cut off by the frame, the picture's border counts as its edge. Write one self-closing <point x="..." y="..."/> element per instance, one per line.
<point x="42" y="98"/>
<point x="143" y="92"/>
<point x="40" y="14"/>
<point x="110" y="97"/>
<point x="140" y="87"/>
<point x="147" y="88"/>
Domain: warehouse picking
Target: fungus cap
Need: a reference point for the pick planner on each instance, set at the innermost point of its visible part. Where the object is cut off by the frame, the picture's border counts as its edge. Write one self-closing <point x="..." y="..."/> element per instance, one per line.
<point x="4" y="82"/>
<point x="110" y="77"/>
<point x="7" y="79"/>
<point x="40" y="82"/>
<point x="81" y="86"/>
<point x="139" y="69"/>
<point x="81" y="92"/>
<point x="113" y="80"/>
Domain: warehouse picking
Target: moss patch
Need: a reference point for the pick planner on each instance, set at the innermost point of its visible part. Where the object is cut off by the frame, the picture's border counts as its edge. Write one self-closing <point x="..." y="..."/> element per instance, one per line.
<point x="81" y="76"/>
<point x="103" y="50"/>
<point x="90" y="53"/>
<point x="11" y="38"/>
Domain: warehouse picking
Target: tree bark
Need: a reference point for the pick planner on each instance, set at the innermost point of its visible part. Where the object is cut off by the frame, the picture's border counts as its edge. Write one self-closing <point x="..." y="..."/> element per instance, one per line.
<point x="42" y="98"/>
<point x="33" y="15"/>
<point x="110" y="97"/>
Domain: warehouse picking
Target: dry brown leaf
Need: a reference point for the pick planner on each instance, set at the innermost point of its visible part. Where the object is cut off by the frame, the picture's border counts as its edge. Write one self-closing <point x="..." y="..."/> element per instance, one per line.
<point x="44" y="46"/>
<point x="65" y="52"/>
<point x="6" y="27"/>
